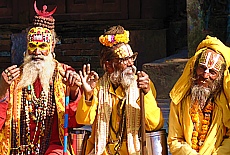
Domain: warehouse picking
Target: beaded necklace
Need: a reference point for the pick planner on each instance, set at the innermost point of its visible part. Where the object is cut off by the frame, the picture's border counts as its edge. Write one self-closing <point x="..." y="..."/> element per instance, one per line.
<point x="121" y="130"/>
<point x="41" y="111"/>
<point x="201" y="124"/>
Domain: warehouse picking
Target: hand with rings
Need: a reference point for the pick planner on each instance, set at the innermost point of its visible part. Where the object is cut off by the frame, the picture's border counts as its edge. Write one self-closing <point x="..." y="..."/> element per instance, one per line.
<point x="71" y="77"/>
<point x="7" y="72"/>
<point x="10" y="74"/>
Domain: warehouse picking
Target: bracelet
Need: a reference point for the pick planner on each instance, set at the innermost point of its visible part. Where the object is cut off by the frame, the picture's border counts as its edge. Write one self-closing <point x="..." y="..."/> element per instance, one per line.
<point x="2" y="100"/>
<point x="89" y="102"/>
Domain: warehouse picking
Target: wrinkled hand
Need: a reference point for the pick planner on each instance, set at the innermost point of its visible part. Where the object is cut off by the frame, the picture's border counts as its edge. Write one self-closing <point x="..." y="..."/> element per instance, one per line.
<point x="89" y="79"/>
<point x="143" y="81"/>
<point x="71" y="78"/>
<point x="10" y="74"/>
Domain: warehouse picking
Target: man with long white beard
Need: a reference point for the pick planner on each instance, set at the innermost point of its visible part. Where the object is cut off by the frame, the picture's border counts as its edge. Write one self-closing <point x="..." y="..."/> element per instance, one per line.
<point x="199" y="119"/>
<point x="32" y="106"/>
<point x="112" y="104"/>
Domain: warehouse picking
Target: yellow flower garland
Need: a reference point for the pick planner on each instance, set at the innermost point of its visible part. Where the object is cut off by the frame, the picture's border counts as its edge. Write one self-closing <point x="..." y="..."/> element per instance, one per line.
<point x="198" y="136"/>
<point x="110" y="40"/>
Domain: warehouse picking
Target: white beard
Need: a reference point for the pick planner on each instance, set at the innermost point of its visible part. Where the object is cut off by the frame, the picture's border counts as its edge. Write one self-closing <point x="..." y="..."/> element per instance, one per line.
<point x="124" y="78"/>
<point x="200" y="94"/>
<point x="32" y="70"/>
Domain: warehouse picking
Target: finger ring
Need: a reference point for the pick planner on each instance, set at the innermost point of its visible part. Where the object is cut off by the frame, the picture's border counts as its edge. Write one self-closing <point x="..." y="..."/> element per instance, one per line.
<point x="75" y="74"/>
<point x="6" y="71"/>
<point x="10" y="78"/>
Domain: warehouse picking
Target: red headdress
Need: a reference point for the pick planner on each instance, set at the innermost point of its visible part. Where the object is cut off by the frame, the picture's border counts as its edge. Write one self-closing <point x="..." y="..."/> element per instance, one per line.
<point x="43" y="17"/>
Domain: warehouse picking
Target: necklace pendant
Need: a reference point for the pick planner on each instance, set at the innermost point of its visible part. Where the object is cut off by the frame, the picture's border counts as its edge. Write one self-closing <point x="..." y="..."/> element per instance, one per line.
<point x="33" y="117"/>
<point x="29" y="97"/>
<point x="30" y="109"/>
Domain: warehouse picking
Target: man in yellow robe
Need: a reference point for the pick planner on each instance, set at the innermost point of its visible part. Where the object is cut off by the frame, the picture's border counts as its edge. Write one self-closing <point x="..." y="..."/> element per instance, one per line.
<point x="199" y="119"/>
<point x="113" y="106"/>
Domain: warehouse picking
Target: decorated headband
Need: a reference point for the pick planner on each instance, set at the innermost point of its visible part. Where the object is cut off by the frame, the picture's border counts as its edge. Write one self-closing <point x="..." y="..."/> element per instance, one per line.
<point x="110" y="40"/>
<point x="44" y="18"/>
<point x="39" y="34"/>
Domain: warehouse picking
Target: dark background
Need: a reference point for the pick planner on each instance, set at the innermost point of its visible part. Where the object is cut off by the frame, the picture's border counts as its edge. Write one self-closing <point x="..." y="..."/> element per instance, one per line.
<point x="157" y="28"/>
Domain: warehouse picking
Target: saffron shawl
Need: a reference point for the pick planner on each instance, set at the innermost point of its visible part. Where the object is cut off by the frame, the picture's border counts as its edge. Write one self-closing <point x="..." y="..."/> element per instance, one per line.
<point x="104" y="112"/>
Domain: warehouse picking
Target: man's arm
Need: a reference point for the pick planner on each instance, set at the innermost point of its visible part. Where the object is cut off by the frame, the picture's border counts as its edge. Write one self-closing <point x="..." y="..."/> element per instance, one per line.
<point x="3" y="109"/>
<point x="153" y="116"/>
<point x="87" y="109"/>
<point x="73" y="105"/>
<point x="7" y="77"/>
<point x="72" y="79"/>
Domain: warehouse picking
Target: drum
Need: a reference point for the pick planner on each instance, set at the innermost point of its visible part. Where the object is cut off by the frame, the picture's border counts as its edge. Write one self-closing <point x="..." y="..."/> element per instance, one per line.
<point x="78" y="139"/>
<point x="156" y="143"/>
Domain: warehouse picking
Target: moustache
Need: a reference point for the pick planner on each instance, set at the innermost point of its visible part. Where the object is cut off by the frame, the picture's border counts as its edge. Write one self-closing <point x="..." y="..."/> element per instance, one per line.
<point x="130" y="70"/>
<point x="36" y="57"/>
<point x="200" y="78"/>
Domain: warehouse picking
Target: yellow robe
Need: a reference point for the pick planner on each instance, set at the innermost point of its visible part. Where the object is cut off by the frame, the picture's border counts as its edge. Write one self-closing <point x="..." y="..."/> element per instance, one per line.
<point x="87" y="111"/>
<point x="181" y="128"/>
<point x="14" y="111"/>
<point x="180" y="124"/>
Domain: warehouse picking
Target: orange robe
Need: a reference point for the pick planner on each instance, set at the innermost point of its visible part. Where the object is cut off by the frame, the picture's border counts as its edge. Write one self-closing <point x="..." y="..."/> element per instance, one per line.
<point x="8" y="111"/>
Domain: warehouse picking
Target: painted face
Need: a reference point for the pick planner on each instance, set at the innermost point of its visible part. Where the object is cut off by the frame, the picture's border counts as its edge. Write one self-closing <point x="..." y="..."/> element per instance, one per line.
<point x="124" y="51"/>
<point x="39" y="40"/>
<point x="126" y="57"/>
<point x="209" y="67"/>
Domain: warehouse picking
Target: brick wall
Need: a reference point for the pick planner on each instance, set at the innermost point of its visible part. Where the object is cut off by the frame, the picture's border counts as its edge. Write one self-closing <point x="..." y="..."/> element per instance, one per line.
<point x="5" y="45"/>
<point x="78" y="51"/>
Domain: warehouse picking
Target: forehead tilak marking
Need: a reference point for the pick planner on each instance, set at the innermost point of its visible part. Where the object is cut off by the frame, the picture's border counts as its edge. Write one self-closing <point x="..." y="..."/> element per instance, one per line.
<point x="211" y="61"/>
<point x="207" y="59"/>
<point x="216" y="58"/>
<point x="123" y="51"/>
<point x="129" y="50"/>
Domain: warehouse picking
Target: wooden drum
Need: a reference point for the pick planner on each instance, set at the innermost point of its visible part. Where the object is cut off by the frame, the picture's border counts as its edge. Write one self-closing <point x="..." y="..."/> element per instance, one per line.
<point x="78" y="139"/>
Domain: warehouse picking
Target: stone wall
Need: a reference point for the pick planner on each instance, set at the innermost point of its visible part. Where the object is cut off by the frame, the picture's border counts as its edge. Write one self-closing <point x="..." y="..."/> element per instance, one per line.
<point x="165" y="74"/>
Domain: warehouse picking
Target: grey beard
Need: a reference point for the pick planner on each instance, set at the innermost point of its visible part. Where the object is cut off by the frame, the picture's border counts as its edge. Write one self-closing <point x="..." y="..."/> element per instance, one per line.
<point x="115" y="77"/>
<point x="118" y="77"/>
<point x="203" y="94"/>
<point x="128" y="79"/>
<point x="200" y="94"/>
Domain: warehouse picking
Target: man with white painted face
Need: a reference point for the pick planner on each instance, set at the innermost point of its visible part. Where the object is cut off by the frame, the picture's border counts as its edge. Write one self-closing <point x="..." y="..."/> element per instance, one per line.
<point x="199" y="119"/>
<point x="112" y="104"/>
<point x="32" y="96"/>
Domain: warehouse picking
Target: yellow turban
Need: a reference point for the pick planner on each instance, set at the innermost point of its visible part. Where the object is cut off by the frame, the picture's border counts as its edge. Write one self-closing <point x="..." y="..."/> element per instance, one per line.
<point x="183" y="85"/>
